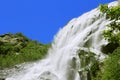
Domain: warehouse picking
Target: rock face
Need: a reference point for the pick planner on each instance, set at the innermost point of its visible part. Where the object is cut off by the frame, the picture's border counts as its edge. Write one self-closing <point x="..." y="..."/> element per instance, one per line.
<point x="2" y="79"/>
<point x="119" y="2"/>
<point x="12" y="38"/>
<point x="48" y="76"/>
<point x="12" y="43"/>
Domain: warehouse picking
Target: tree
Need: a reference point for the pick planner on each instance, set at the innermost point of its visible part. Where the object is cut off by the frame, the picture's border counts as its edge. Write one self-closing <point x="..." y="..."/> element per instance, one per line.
<point x="112" y="34"/>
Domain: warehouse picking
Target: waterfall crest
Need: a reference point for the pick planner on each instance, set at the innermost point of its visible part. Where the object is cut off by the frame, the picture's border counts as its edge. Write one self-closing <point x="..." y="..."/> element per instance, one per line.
<point x="62" y="62"/>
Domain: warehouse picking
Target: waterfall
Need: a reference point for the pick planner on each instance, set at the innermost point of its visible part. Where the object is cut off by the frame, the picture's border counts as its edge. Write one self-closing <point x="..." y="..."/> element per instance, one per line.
<point x="63" y="62"/>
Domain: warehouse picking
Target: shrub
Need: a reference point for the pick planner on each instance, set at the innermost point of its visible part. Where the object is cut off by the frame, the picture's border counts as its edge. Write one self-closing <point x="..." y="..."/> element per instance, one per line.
<point x="21" y="51"/>
<point x="112" y="34"/>
<point x="112" y="66"/>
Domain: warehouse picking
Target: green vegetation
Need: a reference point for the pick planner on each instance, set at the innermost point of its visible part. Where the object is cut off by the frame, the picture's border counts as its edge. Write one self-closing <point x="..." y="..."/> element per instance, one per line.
<point x="95" y="70"/>
<point x="16" y="49"/>
<point x="110" y="69"/>
<point x="112" y="66"/>
<point x="90" y="66"/>
<point x="112" y="34"/>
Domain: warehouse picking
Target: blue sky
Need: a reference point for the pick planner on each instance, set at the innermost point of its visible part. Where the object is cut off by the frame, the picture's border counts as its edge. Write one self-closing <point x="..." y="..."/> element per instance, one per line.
<point x="41" y="19"/>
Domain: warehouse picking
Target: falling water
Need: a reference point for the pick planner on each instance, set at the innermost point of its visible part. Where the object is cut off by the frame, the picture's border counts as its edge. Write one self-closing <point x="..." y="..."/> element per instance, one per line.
<point x="62" y="62"/>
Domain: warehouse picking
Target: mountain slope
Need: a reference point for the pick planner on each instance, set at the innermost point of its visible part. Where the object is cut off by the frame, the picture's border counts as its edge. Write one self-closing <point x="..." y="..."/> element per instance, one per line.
<point x="16" y="49"/>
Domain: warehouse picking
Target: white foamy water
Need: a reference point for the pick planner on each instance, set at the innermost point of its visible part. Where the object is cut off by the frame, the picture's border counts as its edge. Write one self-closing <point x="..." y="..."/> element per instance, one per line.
<point x="62" y="62"/>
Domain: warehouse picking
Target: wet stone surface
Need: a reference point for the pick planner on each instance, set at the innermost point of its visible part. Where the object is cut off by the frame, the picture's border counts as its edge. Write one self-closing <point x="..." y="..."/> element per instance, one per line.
<point x="48" y="76"/>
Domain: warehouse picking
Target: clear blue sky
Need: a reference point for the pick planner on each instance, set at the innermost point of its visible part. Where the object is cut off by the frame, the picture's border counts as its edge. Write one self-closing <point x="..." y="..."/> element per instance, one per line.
<point x="41" y="19"/>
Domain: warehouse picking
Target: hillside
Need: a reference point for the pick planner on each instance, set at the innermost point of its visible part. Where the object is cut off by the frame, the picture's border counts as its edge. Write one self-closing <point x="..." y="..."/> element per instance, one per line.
<point x="17" y="48"/>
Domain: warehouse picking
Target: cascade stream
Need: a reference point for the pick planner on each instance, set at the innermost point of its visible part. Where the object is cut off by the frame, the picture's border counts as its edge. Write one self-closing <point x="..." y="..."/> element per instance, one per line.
<point x="62" y="61"/>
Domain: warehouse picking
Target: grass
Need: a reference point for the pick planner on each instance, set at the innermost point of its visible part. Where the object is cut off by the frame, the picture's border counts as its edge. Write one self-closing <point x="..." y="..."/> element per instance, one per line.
<point x="20" y="50"/>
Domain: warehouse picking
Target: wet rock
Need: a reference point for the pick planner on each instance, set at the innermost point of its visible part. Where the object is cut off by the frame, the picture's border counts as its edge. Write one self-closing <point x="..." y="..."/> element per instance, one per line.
<point x="109" y="48"/>
<point x="1" y="68"/>
<point x="48" y="76"/>
<point x="2" y="78"/>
